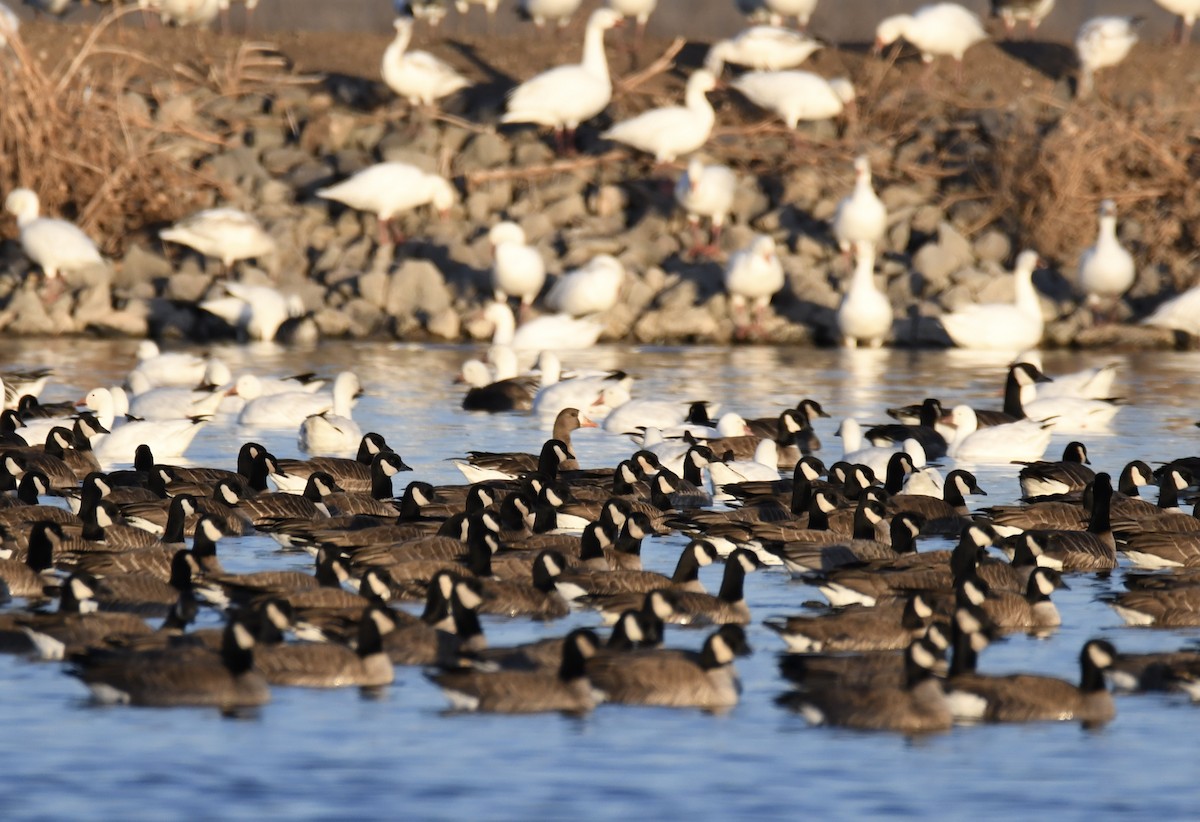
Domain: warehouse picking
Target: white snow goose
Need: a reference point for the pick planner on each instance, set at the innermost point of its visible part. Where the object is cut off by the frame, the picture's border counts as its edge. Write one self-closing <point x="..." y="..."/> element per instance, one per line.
<point x="1187" y="11"/>
<point x="674" y="130"/>
<point x="1001" y="326"/>
<point x="1103" y="42"/>
<point x="177" y="368"/>
<point x="1106" y="269"/>
<point x="1022" y="440"/>
<point x="776" y="12"/>
<point x="390" y="189"/>
<point x="559" y="11"/>
<point x="518" y="269"/>
<point x="796" y="95"/>
<point x="166" y="438"/>
<point x="861" y="216"/>
<point x="289" y="410"/>
<point x="865" y="313"/>
<point x="937" y="30"/>
<point x="762" y="48"/>
<point x="753" y="275"/>
<point x="417" y="76"/>
<point x="592" y="288"/>
<point x="549" y="332"/>
<point x="706" y="190"/>
<point x="227" y="234"/>
<point x="55" y="245"/>
<point x="639" y="10"/>
<point x="566" y="96"/>
<point x="1011" y="12"/>
<point x="256" y="311"/>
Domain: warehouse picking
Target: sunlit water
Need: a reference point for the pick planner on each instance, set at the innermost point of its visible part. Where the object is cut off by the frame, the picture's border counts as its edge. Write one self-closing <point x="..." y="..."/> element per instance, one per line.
<point x="341" y="755"/>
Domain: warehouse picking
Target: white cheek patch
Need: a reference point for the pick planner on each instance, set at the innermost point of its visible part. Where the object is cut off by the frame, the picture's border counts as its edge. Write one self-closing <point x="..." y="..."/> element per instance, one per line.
<point x="211" y="531"/>
<point x="921" y="656"/>
<point x="721" y="650"/>
<point x="467" y="597"/>
<point x="1045" y="584"/>
<point x="1100" y="658"/>
<point x="383" y="622"/>
<point x="703" y="558"/>
<point x="554" y="499"/>
<point x="81" y="590"/>
<point x="228" y="495"/>
<point x="242" y="637"/>
<point x="446" y="585"/>
<point x="980" y="537"/>
<point x="490" y="522"/>
<point x="747" y="563"/>
<point x="921" y="608"/>
<point x="967" y="621"/>
<point x="661" y="607"/>
<point x="552" y="567"/>
<point x="277" y="617"/>
<point x="420" y="499"/>
<point x="872" y="515"/>
<point x="974" y="594"/>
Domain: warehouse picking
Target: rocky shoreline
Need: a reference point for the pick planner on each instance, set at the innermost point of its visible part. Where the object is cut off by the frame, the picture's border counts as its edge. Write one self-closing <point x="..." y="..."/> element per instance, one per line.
<point x="946" y="245"/>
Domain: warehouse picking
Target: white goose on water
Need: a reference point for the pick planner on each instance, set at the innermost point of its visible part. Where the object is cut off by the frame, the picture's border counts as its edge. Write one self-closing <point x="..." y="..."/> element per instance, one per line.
<point x="1065" y="415"/>
<point x="558" y="11"/>
<point x="865" y="313"/>
<point x="566" y="96"/>
<point x="257" y="311"/>
<point x="549" y="332"/>
<point x="1103" y="42"/>
<point x="518" y="269"/>
<point x="796" y="95"/>
<point x="170" y="403"/>
<point x="706" y="190"/>
<point x="1001" y="326"/>
<point x="1181" y="313"/>
<point x="166" y="438"/>
<point x="169" y="368"/>
<point x="1087" y="383"/>
<point x="417" y="76"/>
<point x="762" y="48"/>
<point x="390" y="189"/>
<point x="1106" y="269"/>
<point x="753" y="275"/>
<point x="558" y="392"/>
<point x="674" y="130"/>
<point x="764" y="466"/>
<point x="328" y="433"/>
<point x="590" y="289"/>
<point x="289" y="410"/>
<point x="1023" y="440"/>
<point x="856" y="450"/>
<point x="937" y="30"/>
<point x="228" y="234"/>
<point x="55" y="245"/>
<point x="861" y="215"/>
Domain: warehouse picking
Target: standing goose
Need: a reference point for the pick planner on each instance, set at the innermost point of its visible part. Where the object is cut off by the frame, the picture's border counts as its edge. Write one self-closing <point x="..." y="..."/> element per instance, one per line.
<point x="518" y="269"/>
<point x="566" y="96"/>
<point x="865" y="313"/>
<point x="1001" y="326"/>
<point x="937" y="30"/>
<point x="55" y="245"/>
<point x="753" y="275"/>
<point x="762" y="48"/>
<point x="861" y="216"/>
<point x="590" y="289"/>
<point x="706" y="190"/>
<point x="1103" y="42"/>
<point x="228" y="681"/>
<point x="417" y="76"/>
<point x="1188" y="11"/>
<point x="639" y="10"/>
<point x="539" y="11"/>
<point x="796" y="95"/>
<point x="918" y="707"/>
<point x="228" y="234"/>
<point x="674" y="130"/>
<point x="1106" y="269"/>
<point x="520" y="692"/>
<point x="675" y="679"/>
<point x="1033" y="12"/>
<point x="390" y="189"/>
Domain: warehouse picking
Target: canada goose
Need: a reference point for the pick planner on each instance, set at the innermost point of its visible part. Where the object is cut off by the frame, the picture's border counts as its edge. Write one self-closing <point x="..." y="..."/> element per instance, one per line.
<point x="696" y="555"/>
<point x="1071" y="473"/>
<point x="945" y="516"/>
<point x="891" y="625"/>
<point x="1031" y="698"/>
<point x="727" y="607"/>
<point x="265" y="508"/>
<point x="1093" y="549"/>
<point x="675" y="679"/>
<point x="539" y="600"/>
<point x="519" y="692"/>
<point x="923" y="429"/>
<point x="801" y="558"/>
<point x="917" y="707"/>
<point x="484" y="465"/>
<point x="1032" y="611"/>
<point x="1161" y="671"/>
<point x="1169" y="607"/>
<point x="220" y="587"/>
<point x="353" y="475"/>
<point x="73" y="446"/>
<point x="377" y="502"/>
<point x="228" y="681"/>
<point x="1164" y="549"/>
<point x="59" y="474"/>
<point x="324" y="665"/>
<point x="545" y="654"/>
<point x="1167" y="515"/>
<point x="77" y="625"/>
<point x="874" y="669"/>
<point x="143" y="592"/>
<point x="31" y="577"/>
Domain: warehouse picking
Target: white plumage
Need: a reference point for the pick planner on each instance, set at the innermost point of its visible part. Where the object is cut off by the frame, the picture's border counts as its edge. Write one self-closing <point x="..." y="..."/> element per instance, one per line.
<point x="565" y="96"/>
<point x="1023" y="440"/>
<point x="640" y="10"/>
<point x="518" y="269"/>
<point x="796" y="95"/>
<point x="706" y="190"/>
<point x="55" y="245"/>
<point x="1032" y="12"/>
<point x="674" y="130"/>
<point x="1187" y="10"/>
<point x="390" y="189"/>
<point x="553" y="332"/>
<point x="1106" y="270"/>
<point x="754" y="275"/>
<point x="257" y="311"/>
<point x="328" y="433"/>
<point x="559" y="11"/>
<point x="177" y="368"/>
<point x="227" y="234"/>
<point x="591" y="289"/>
<point x="288" y="410"/>
<point x="1181" y="312"/>
<point x="937" y="30"/>
<point x="417" y="76"/>
<point x="170" y="403"/>
<point x="1002" y="326"/>
<point x="865" y="313"/>
<point x="763" y="48"/>
<point x="1102" y="42"/>
<point x="861" y="216"/>
<point x="184" y="12"/>
<point x="166" y="438"/>
<point x="10" y="25"/>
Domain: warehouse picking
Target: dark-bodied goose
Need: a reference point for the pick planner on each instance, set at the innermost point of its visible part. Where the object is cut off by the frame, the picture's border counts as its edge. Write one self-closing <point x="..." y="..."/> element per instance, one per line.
<point x="1094" y="549"/>
<point x="1160" y="671"/>
<point x="1033" y="612"/>
<point x="924" y="432"/>
<point x="806" y="440"/>
<point x="596" y="585"/>
<point x="690" y="608"/>
<point x="326" y="665"/>
<point x="77" y="625"/>
<point x="917" y="707"/>
<point x="1069" y="474"/>
<point x="486" y="465"/>
<point x="519" y="692"/>
<point x="891" y="625"/>
<point x="675" y="679"/>
<point x="945" y="516"/>
<point x="801" y="557"/>
<point x="30" y="578"/>
<point x="228" y="681"/>
<point x="865" y="669"/>
<point x="1167" y="607"/>
<point x="545" y="654"/>
<point x="353" y="475"/>
<point x="377" y="501"/>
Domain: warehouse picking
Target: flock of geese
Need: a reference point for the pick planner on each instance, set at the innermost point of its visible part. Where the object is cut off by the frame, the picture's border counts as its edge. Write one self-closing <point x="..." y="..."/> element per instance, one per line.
<point x="107" y="567"/>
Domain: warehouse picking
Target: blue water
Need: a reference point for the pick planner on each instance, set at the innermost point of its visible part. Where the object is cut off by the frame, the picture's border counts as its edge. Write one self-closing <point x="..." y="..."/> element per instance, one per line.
<point x="314" y="754"/>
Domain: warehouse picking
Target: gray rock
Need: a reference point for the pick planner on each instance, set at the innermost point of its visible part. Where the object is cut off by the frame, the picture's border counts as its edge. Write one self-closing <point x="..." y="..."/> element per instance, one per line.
<point x="992" y="246"/>
<point x="373" y="287"/>
<point x="926" y="219"/>
<point x="417" y="288"/>
<point x="445" y="324"/>
<point x="92" y="305"/>
<point x="567" y="211"/>
<point x="140" y="265"/>
<point x="486" y="150"/>
<point x="608" y="201"/>
<point x="188" y="286"/>
<point x="898" y="197"/>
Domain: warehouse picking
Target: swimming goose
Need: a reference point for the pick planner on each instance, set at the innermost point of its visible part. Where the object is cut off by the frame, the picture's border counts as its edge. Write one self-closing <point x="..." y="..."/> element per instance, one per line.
<point x="753" y="275"/>
<point x="918" y="707"/>
<point x="390" y="189"/>
<point x="552" y="332"/>
<point x="728" y="607"/>
<point x="258" y="312"/>
<point x="585" y="392"/>
<point x="937" y="30"/>
<point x="566" y="96"/>
<point x="417" y="76"/>
<point x="169" y="368"/>
<point x="1181" y="312"/>
<point x="1062" y="414"/>
<point x="1022" y="440"/>
<point x="166" y="437"/>
<point x="55" y="245"/>
<point x="1001" y="326"/>
<point x="353" y="475"/>
<point x="228" y="681"/>
<point x="519" y="692"/>
<point x="1094" y="383"/>
<point x="674" y="130"/>
<point x="1159" y="671"/>
<point x="1032" y="611"/>
<point x="290" y="409"/>
<point x="865" y="313"/>
<point x="1071" y="473"/>
<point x="539" y="11"/>
<point x="761" y="48"/>
<point x="672" y="678"/>
<point x="796" y="95"/>
<point x="1103" y="42"/>
<point x="1106" y="269"/>
<point x="861" y="216"/>
<point x="1188" y="11"/>
<point x="228" y="234"/>
<point x="169" y="402"/>
<point x="593" y="288"/>
<point x="1032" y="12"/>
<point x="706" y="190"/>
<point x="327" y="665"/>
<point x="1093" y="549"/>
<point x="518" y="269"/>
<point x="328" y="433"/>
<point x="891" y="625"/>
